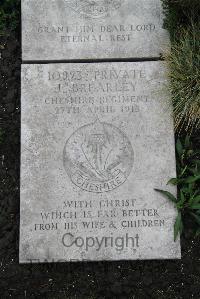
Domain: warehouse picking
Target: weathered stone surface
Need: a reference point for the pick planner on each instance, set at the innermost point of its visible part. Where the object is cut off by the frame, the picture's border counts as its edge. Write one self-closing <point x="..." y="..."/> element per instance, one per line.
<point x="96" y="140"/>
<point x="66" y="30"/>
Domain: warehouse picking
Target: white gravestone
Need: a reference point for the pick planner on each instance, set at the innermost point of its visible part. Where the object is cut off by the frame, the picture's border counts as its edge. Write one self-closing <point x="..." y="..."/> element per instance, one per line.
<point x="85" y="29"/>
<point x="96" y="140"/>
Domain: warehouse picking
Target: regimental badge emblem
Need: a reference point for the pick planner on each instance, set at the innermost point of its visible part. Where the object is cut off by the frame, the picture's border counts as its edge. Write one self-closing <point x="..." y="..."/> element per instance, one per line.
<point x="94" y="8"/>
<point x="98" y="157"/>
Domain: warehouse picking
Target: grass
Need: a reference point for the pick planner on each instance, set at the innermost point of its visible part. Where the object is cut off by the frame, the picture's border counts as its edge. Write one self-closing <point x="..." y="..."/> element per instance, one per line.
<point x="187" y="201"/>
<point x="180" y="13"/>
<point x="9" y="15"/>
<point x="183" y="22"/>
<point x="184" y="73"/>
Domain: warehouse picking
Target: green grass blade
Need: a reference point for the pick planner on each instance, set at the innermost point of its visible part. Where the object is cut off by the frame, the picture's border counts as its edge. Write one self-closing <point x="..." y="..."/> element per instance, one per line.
<point x="173" y="181"/>
<point x="192" y="179"/>
<point x="179" y="147"/>
<point x="178" y="226"/>
<point x="187" y="141"/>
<point x="167" y="194"/>
<point x="195" y="207"/>
<point x="196" y="217"/>
<point x="196" y="199"/>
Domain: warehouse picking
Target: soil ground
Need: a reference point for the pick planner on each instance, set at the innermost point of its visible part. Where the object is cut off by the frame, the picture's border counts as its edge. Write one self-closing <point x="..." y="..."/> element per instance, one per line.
<point x="138" y="279"/>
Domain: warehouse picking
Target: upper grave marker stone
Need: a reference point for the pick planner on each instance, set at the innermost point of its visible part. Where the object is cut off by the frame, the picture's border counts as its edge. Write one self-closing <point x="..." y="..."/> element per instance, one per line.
<point x="91" y="29"/>
<point x="96" y="139"/>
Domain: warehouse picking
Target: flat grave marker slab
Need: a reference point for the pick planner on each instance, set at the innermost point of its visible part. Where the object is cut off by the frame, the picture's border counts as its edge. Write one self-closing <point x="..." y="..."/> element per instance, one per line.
<point x="96" y="139"/>
<point x="84" y="29"/>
